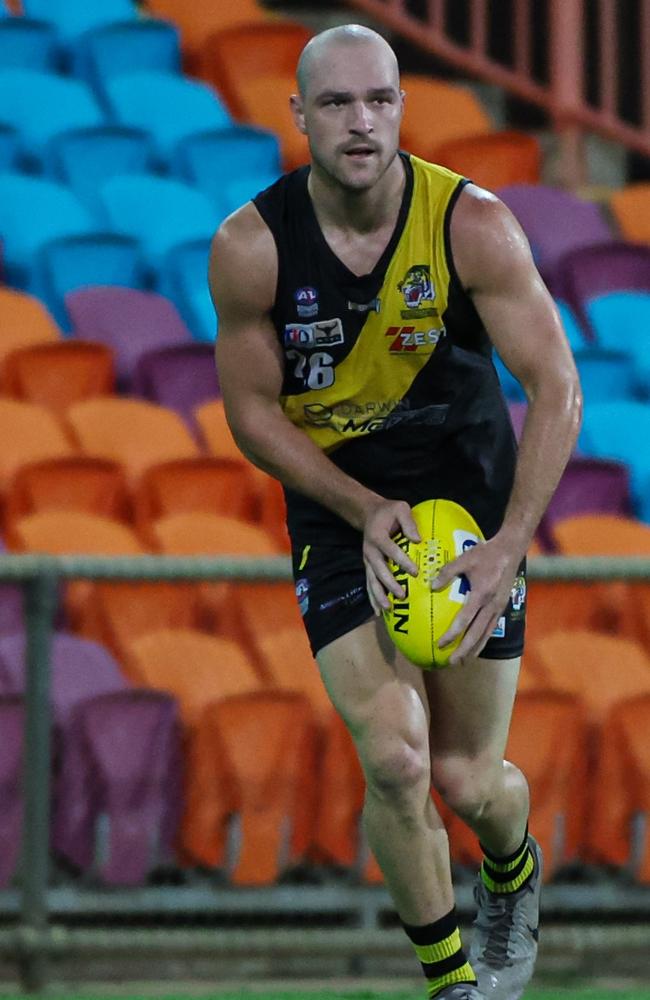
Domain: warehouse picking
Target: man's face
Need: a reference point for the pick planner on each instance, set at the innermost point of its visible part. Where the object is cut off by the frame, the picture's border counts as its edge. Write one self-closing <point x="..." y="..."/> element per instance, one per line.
<point x="351" y="113"/>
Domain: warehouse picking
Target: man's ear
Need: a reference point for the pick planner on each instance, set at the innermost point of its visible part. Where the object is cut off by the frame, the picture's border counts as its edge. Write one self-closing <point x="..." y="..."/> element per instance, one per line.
<point x="295" y="103"/>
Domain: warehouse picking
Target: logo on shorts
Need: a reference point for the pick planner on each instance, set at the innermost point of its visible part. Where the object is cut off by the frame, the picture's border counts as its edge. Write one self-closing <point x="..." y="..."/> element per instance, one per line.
<point x="518" y="593"/>
<point x="499" y="631"/>
<point x="323" y="333"/>
<point x="302" y="594"/>
<point x="306" y="300"/>
<point x="417" y="289"/>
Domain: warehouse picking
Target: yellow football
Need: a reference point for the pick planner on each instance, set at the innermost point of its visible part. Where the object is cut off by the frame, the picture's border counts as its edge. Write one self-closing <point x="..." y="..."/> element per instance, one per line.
<point x="416" y="622"/>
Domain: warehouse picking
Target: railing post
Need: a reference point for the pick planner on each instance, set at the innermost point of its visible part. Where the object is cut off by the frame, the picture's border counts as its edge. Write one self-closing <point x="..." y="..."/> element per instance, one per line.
<point x="566" y="57"/>
<point x="40" y="606"/>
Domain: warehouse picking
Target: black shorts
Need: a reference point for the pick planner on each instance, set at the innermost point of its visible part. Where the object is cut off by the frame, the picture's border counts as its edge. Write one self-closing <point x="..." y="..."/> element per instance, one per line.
<point x="331" y="591"/>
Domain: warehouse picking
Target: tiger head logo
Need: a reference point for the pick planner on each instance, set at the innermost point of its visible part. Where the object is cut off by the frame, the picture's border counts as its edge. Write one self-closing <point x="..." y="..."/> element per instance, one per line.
<point x="417" y="286"/>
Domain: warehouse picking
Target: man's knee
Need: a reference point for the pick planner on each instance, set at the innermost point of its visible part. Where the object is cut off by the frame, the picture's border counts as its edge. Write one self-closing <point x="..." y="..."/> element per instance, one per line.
<point x="466" y="784"/>
<point x="394" y="768"/>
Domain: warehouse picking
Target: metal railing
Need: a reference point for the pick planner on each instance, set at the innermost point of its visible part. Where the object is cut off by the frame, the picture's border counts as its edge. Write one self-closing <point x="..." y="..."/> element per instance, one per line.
<point x="566" y="44"/>
<point x="33" y="939"/>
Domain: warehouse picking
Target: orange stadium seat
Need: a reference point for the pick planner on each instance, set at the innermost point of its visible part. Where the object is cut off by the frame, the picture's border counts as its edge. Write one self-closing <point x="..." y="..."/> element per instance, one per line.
<point x="28" y="433"/>
<point x="630" y="207"/>
<point x="212" y="423"/>
<point x="194" y="667"/>
<point x="76" y="482"/>
<point x="622" y="791"/>
<point x="261" y="608"/>
<point x="273" y="512"/>
<point x="436" y="111"/>
<point x="208" y="484"/>
<point x="264" y="101"/>
<point x="342" y="788"/>
<point x="59" y="374"/>
<point x="24" y="320"/>
<point x="130" y="431"/>
<point x="199" y="19"/>
<point x="289" y="664"/>
<point x="244" y="51"/>
<point x="495" y="159"/>
<point x="269" y="742"/>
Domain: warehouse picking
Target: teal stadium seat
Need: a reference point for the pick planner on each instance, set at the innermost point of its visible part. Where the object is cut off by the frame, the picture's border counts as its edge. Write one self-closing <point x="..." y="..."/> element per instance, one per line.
<point x="212" y="160"/>
<point x="183" y="279"/>
<point x="170" y="107"/>
<point x="125" y="46"/>
<point x="605" y="375"/>
<point x="71" y="18"/>
<point x="621" y="321"/>
<point x="28" y="44"/>
<point x="9" y="146"/>
<point x="621" y="431"/>
<point x="41" y="106"/>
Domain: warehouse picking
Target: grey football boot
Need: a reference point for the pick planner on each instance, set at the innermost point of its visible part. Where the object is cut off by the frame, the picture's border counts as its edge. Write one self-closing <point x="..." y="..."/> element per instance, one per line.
<point x="460" y="991"/>
<point x="503" y="949"/>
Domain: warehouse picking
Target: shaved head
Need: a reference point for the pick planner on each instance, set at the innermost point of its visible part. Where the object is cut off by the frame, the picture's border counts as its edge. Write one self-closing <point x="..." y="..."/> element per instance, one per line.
<point x="320" y="46"/>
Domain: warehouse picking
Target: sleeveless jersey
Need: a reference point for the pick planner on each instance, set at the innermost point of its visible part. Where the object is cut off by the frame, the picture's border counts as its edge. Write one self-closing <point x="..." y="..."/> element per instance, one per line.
<point x="389" y="373"/>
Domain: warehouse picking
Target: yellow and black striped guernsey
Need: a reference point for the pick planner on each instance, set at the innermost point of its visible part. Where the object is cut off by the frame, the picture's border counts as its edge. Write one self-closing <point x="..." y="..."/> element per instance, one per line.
<point x="390" y="373"/>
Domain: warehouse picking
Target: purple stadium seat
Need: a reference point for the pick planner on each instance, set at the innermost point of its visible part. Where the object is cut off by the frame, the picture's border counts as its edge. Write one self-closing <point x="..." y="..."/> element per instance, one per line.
<point x="518" y="412"/>
<point x="12" y="724"/>
<point x="555" y="222"/>
<point x="607" y="267"/>
<point x="588" y="485"/>
<point x="180" y="377"/>
<point x="11" y="605"/>
<point x="121" y="762"/>
<point x="129" y="321"/>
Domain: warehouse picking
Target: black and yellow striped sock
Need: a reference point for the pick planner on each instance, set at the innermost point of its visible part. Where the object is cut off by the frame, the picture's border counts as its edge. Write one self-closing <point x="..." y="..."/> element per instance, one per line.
<point x="510" y="874"/>
<point x="438" y="947"/>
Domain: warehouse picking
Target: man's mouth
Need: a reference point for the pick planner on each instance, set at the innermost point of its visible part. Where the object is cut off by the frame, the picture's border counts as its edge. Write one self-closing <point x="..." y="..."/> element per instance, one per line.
<point x="360" y="152"/>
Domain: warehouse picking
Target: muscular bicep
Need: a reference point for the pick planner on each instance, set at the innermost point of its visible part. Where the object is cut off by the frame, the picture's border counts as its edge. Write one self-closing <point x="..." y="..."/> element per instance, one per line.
<point x="495" y="264"/>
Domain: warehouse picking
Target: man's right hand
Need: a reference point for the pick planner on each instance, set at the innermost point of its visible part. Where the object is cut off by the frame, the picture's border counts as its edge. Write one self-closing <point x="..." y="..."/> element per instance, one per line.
<point x="383" y="520"/>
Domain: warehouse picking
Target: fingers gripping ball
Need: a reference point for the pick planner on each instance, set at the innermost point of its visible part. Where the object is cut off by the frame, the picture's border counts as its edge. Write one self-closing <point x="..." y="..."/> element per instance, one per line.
<point x="416" y="622"/>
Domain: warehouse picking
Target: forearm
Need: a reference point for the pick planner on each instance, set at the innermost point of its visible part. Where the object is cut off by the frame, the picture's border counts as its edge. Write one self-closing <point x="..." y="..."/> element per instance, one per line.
<point x="274" y="444"/>
<point x="549" y="435"/>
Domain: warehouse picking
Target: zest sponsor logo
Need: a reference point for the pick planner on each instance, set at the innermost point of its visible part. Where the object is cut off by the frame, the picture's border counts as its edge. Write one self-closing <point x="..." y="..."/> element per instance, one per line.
<point x="407" y="339"/>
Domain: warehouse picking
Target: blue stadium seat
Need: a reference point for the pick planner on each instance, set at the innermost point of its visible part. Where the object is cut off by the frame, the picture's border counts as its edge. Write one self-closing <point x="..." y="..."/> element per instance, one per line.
<point x="28" y="44"/>
<point x="236" y="193"/>
<point x="9" y="147"/>
<point x="41" y="105"/>
<point x="621" y="322"/>
<point x="510" y="387"/>
<point x="574" y="334"/>
<point x="211" y="160"/>
<point x="78" y="261"/>
<point x="71" y="18"/>
<point x="621" y="430"/>
<point x="34" y="211"/>
<point x="124" y="47"/>
<point x="605" y="375"/>
<point x="170" y="107"/>
<point x="159" y="212"/>
<point x="183" y="279"/>
<point x="85" y="159"/>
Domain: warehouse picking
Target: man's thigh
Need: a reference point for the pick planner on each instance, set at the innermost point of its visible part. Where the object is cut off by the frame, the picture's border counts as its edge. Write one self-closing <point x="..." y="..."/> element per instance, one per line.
<point x="471" y="705"/>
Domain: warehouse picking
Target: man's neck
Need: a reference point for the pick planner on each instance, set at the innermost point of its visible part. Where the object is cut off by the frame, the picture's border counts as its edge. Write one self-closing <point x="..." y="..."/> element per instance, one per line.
<point x="357" y="211"/>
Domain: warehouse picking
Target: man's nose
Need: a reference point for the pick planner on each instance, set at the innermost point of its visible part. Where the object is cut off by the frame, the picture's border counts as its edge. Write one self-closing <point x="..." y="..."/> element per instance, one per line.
<point x="360" y="118"/>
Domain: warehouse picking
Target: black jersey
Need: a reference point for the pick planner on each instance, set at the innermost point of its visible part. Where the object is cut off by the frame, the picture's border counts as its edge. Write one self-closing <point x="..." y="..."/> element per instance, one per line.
<point x="389" y="373"/>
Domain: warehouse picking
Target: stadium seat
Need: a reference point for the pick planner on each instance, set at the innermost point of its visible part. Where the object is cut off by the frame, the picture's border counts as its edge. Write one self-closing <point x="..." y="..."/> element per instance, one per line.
<point x="76" y="482"/>
<point x="289" y="664"/>
<point x="124" y="47"/>
<point x="197" y="21"/>
<point x="588" y="485"/>
<point x="265" y="104"/>
<point x="618" y="827"/>
<point x="458" y="114"/>
<point x="9" y="147"/>
<point x="23" y="321"/>
<point x="620" y="431"/>
<point x="493" y="160"/>
<point x="242" y="51"/>
<point x="42" y="105"/>
<point x="180" y="377"/>
<point x="28" y="433"/>
<point x="341" y="790"/>
<point x="74" y="262"/>
<point x="606" y="375"/>
<point x="630" y="207"/>
<point x="129" y="321"/>
<point x="593" y="271"/>
<point x="219" y="668"/>
<point x="120" y="790"/>
<point x="262" y="608"/>
<point x="130" y="431"/>
<point x="159" y="212"/>
<point x="86" y="158"/>
<point x="12" y="723"/>
<point x="11" y="605"/>
<point x="620" y="322"/>
<point x="27" y="44"/>
<point x="555" y="222"/>
<point x="34" y="211"/>
<point x="169" y="107"/>
<point x="58" y="374"/>
<point x="71" y="18"/>
<point x="575" y="334"/>
<point x="183" y="278"/>
<point x="273" y="511"/>
<point x="268" y="739"/>
<point x="211" y="485"/>
<point x="237" y="193"/>
<point x="218" y="439"/>
<point x="213" y="160"/>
